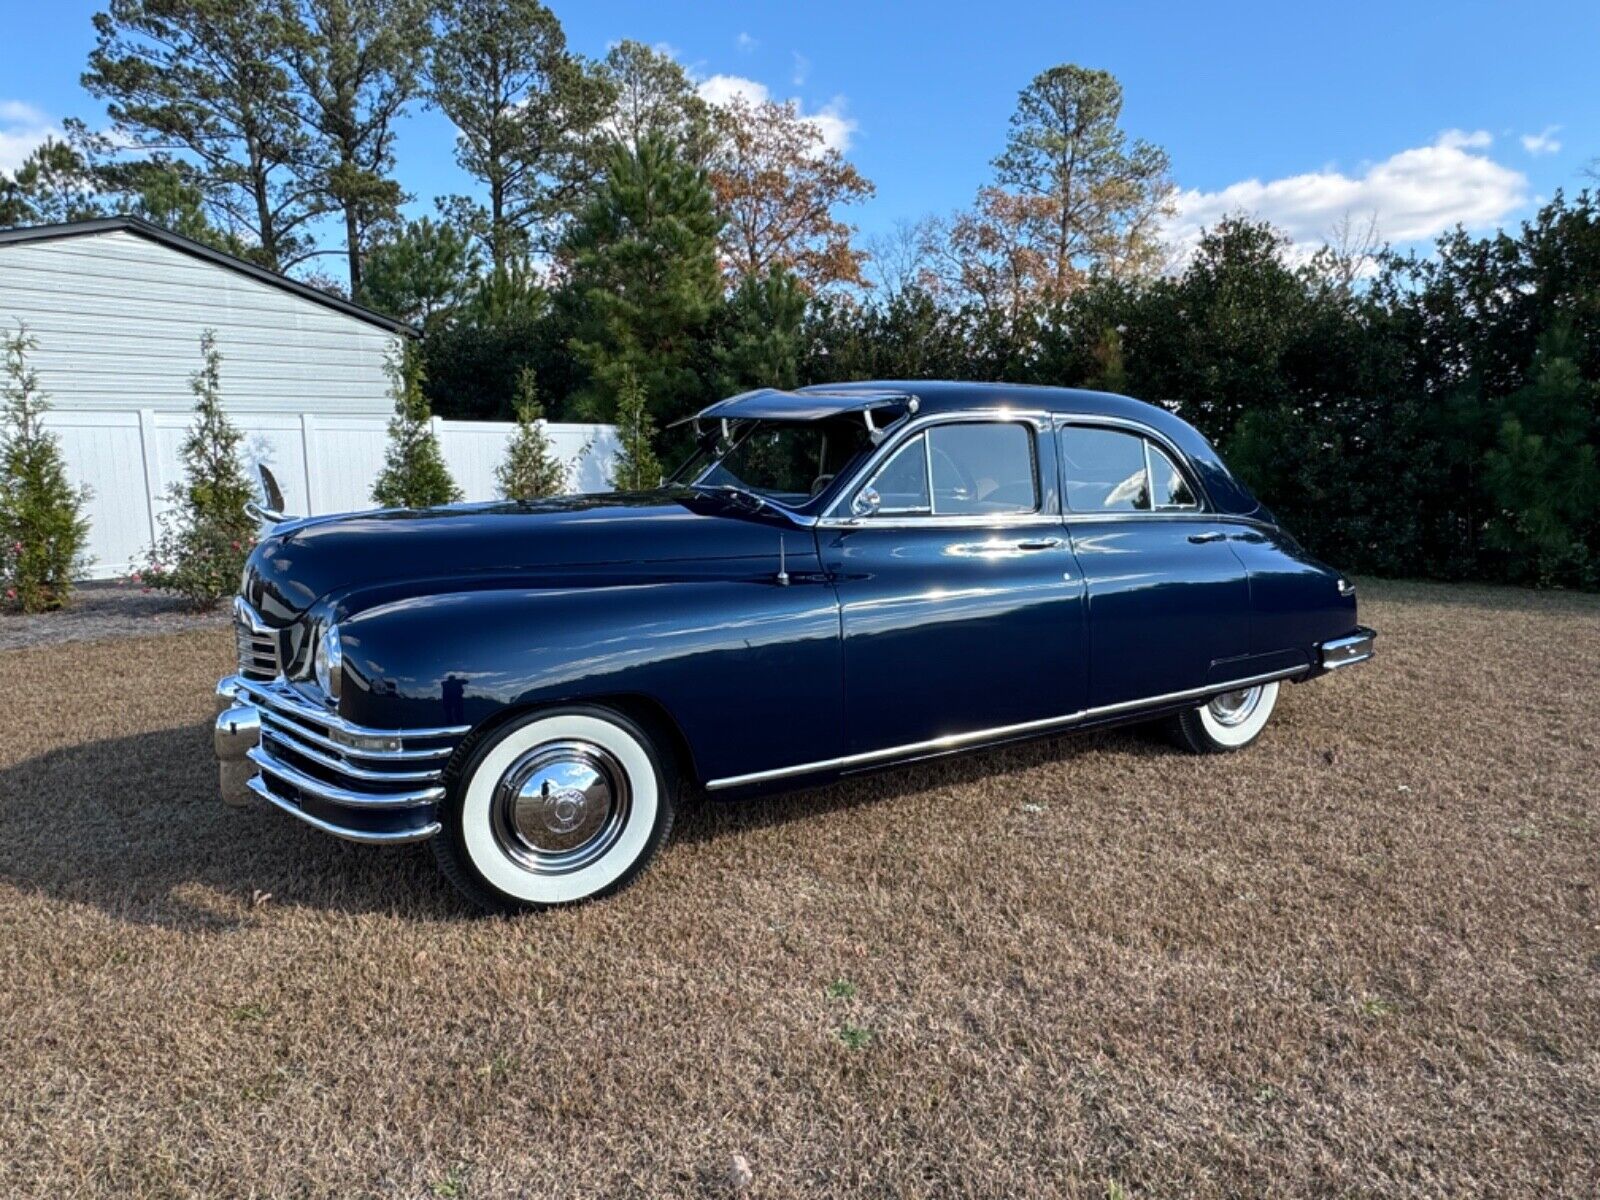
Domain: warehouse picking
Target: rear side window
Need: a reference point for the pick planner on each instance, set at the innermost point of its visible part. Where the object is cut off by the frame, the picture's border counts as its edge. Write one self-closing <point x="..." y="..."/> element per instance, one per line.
<point x="1105" y="470"/>
<point x="1108" y="470"/>
<point x="982" y="469"/>
<point x="1171" y="489"/>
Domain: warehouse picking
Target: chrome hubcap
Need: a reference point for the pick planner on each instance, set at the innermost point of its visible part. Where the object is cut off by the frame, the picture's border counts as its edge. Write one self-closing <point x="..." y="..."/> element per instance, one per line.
<point x="1235" y="708"/>
<point x="560" y="807"/>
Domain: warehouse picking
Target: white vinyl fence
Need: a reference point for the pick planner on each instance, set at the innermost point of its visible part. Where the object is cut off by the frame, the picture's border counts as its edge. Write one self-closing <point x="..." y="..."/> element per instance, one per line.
<point x="324" y="464"/>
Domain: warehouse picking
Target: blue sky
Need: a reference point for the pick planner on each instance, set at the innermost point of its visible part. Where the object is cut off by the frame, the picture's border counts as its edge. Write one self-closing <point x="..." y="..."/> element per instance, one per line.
<point x="1424" y="114"/>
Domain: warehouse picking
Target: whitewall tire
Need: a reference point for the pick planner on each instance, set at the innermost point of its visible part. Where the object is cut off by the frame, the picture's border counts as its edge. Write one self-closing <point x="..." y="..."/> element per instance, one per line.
<point x="1230" y="721"/>
<point x="555" y="808"/>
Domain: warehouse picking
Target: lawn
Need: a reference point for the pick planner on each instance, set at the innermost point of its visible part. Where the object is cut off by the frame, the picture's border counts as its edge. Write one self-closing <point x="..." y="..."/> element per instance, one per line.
<point x="1362" y="957"/>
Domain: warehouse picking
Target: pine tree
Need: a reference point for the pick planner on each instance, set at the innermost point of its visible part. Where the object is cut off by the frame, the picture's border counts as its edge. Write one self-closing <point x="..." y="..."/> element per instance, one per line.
<point x="531" y="469"/>
<point x="414" y="474"/>
<point x="645" y="279"/>
<point x="761" y="340"/>
<point x="207" y="530"/>
<point x="635" y="467"/>
<point x="42" y="527"/>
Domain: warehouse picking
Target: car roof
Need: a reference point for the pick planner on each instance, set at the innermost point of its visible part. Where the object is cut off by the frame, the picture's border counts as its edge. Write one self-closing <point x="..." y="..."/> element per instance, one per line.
<point x="936" y="396"/>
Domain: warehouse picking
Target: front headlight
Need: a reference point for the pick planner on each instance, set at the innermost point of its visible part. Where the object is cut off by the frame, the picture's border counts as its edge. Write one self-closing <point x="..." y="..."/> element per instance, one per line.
<point x="328" y="662"/>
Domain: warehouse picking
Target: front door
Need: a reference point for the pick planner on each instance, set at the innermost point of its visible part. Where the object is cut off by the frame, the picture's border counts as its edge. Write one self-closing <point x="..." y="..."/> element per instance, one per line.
<point x="1168" y="599"/>
<point x="961" y="604"/>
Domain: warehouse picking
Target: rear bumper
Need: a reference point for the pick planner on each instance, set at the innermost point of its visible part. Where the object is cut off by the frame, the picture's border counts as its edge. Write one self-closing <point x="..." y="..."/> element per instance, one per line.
<point x="361" y="784"/>
<point x="1349" y="650"/>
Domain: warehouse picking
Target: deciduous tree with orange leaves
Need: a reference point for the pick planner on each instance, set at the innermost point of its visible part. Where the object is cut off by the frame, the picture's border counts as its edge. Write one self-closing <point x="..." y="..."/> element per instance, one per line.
<point x="779" y="185"/>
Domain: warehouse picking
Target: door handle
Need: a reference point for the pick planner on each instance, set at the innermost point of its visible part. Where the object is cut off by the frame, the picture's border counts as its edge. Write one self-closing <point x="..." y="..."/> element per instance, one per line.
<point x="1201" y="538"/>
<point x="1048" y="543"/>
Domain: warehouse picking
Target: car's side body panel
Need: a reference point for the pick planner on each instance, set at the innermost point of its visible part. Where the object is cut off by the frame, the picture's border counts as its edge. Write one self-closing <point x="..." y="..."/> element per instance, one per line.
<point x="747" y="669"/>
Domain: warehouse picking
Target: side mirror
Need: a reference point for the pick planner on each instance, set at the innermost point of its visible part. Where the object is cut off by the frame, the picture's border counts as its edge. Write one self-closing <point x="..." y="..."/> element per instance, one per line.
<point x="866" y="502"/>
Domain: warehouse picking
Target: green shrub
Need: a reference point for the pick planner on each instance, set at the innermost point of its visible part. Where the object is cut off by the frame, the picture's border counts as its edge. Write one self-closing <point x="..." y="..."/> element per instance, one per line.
<point x="531" y="469"/>
<point x="42" y="527"/>
<point x="414" y="474"/>
<point x="207" y="530"/>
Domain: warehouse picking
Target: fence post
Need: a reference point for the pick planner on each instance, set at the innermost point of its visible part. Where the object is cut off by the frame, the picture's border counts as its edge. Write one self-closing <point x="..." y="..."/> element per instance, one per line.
<point x="308" y="435"/>
<point x="152" y="467"/>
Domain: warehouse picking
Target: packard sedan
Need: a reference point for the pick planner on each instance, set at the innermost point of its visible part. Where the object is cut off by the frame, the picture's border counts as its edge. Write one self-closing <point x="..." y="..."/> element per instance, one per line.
<point x="839" y="579"/>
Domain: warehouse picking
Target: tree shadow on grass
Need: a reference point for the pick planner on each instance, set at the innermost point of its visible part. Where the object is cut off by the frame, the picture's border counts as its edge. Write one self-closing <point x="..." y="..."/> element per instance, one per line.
<point x="133" y="826"/>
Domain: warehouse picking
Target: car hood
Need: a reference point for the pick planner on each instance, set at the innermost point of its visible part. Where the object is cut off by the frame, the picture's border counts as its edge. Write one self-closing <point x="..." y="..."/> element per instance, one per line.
<point x="301" y="562"/>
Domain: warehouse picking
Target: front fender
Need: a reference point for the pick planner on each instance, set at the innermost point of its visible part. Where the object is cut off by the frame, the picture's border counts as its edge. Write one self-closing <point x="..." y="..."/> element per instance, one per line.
<point x="748" y="670"/>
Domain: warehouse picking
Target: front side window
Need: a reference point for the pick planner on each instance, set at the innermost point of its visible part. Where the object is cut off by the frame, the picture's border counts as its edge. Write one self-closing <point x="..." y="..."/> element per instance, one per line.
<point x="982" y="469"/>
<point x="902" y="482"/>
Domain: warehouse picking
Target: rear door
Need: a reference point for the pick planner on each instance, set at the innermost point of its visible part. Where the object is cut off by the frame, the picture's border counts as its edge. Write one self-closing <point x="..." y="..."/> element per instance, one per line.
<point x="961" y="605"/>
<point x="1168" y="599"/>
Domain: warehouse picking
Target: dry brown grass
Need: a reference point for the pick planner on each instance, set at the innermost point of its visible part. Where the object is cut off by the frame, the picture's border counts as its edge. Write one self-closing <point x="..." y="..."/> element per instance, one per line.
<point x="1361" y="958"/>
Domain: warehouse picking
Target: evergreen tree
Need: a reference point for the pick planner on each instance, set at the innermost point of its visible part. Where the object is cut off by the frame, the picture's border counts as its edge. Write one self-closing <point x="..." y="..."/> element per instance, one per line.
<point x="635" y="467"/>
<point x="422" y="274"/>
<point x="761" y="342"/>
<point x="1543" y="476"/>
<point x="42" y="527"/>
<point x="414" y="474"/>
<point x="523" y="107"/>
<point x="645" y="279"/>
<point x="531" y="469"/>
<point x="207" y="531"/>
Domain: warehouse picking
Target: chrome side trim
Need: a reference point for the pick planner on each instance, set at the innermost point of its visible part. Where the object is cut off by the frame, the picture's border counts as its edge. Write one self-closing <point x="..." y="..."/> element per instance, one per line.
<point x="334" y="794"/>
<point x="954" y="741"/>
<point x="341" y="831"/>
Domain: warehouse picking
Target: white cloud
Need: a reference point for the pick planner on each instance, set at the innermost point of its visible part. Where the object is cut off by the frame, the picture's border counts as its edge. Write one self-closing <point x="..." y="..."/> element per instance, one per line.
<point x="745" y="42"/>
<point x="22" y="127"/>
<point x="1415" y="194"/>
<point x="1543" y="142"/>
<point x="802" y="69"/>
<point x="831" y="120"/>
<point x="1460" y="139"/>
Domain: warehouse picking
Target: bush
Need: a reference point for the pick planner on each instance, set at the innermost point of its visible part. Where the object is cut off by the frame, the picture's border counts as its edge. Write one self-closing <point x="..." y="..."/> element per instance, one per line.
<point x="414" y="474"/>
<point x="531" y="469"/>
<point x="42" y="527"/>
<point x="636" y="467"/>
<point x="207" y="532"/>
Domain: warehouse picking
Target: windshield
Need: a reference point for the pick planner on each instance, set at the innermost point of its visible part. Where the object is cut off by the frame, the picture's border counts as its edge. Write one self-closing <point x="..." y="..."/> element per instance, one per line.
<point x="788" y="462"/>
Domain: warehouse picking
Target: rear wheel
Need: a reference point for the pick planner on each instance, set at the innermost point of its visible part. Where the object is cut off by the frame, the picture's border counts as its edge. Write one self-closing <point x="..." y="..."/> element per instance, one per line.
<point x="558" y="807"/>
<point x="1230" y="721"/>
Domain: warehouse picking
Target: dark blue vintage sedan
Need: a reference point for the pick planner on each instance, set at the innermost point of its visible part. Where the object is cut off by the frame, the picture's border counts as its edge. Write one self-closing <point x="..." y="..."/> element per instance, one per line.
<point x="840" y="579"/>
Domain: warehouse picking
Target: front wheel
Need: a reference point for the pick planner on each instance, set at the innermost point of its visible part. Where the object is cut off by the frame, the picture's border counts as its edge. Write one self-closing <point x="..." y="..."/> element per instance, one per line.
<point x="557" y="807"/>
<point x="1230" y="721"/>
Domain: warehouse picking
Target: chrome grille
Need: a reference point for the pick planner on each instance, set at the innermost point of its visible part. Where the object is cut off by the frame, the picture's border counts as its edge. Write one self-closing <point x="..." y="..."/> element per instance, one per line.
<point x="257" y="644"/>
<point x="307" y="751"/>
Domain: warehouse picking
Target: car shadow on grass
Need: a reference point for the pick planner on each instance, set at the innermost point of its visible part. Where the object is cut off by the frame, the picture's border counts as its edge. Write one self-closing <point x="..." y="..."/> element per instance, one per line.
<point x="708" y="816"/>
<point x="133" y="826"/>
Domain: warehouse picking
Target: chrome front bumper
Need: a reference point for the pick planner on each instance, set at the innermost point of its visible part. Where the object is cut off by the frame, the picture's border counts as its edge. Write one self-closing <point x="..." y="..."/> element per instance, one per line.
<point x="1347" y="651"/>
<point x="363" y="784"/>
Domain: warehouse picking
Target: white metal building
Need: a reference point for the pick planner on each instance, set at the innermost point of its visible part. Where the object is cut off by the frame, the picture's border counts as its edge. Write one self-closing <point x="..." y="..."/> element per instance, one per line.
<point x="118" y="307"/>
